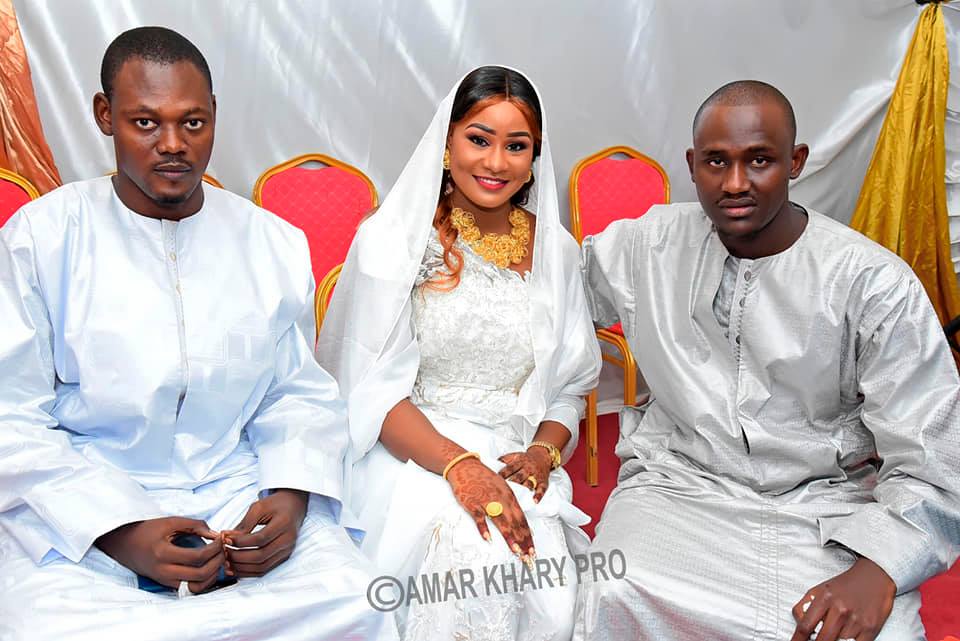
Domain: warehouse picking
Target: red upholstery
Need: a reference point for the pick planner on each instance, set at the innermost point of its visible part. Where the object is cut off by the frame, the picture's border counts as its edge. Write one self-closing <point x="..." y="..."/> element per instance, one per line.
<point x="12" y="197"/>
<point x="612" y="188"/>
<point x="327" y="203"/>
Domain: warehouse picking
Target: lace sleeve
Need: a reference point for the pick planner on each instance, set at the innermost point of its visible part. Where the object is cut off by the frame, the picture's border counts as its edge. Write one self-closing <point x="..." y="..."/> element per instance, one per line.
<point x="432" y="262"/>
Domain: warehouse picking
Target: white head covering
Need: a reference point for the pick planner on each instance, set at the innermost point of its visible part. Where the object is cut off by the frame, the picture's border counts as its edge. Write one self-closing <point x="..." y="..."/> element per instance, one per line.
<point x="366" y="341"/>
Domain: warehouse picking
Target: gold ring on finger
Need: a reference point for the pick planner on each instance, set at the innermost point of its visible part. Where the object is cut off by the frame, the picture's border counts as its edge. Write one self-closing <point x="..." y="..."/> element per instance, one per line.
<point x="533" y="482"/>
<point x="494" y="509"/>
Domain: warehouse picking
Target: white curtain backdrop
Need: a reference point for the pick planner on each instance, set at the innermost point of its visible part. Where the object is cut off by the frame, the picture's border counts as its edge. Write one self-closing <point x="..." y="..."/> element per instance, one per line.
<point x="360" y="79"/>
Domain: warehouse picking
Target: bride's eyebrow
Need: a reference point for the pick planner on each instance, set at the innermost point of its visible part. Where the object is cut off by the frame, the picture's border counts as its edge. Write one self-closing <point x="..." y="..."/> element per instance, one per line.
<point x="493" y="132"/>
<point x="483" y="128"/>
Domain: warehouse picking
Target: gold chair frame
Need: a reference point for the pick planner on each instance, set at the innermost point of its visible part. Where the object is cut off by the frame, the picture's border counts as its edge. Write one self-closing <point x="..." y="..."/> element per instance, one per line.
<point x="324" y="289"/>
<point x="210" y="180"/>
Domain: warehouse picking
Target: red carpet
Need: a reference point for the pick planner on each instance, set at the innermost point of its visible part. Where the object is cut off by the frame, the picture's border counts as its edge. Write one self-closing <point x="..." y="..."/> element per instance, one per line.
<point x="941" y="595"/>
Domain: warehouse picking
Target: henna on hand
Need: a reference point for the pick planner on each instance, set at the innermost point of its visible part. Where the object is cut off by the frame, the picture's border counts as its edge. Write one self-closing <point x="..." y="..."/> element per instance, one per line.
<point x="475" y="485"/>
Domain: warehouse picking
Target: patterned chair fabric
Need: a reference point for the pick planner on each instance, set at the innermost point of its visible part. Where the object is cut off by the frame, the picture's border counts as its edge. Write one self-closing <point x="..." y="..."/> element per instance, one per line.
<point x="327" y="203"/>
<point x="610" y="189"/>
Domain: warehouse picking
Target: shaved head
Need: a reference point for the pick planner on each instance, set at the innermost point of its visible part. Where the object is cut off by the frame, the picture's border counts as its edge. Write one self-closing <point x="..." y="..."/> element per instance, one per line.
<point x="743" y="158"/>
<point x="748" y="92"/>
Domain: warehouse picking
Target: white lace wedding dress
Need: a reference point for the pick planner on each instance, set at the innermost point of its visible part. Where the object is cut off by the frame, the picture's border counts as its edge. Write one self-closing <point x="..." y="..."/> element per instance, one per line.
<point x="475" y="354"/>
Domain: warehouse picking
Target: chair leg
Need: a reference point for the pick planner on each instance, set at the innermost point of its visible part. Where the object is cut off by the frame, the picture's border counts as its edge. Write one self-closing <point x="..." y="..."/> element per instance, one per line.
<point x="591" y="448"/>
<point x="628" y="364"/>
<point x="629" y="378"/>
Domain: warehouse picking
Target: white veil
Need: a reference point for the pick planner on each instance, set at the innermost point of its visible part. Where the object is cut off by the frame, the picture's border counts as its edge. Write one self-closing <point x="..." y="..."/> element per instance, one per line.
<point x="367" y="341"/>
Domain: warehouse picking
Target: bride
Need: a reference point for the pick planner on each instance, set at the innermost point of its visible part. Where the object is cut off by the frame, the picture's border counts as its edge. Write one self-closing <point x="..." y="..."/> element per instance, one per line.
<point x="459" y="334"/>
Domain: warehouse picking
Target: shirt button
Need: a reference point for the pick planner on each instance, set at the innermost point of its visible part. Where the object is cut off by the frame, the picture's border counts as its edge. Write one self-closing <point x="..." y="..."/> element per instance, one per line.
<point x="173" y="256"/>
<point x="743" y="301"/>
<point x="738" y="339"/>
<point x="747" y="275"/>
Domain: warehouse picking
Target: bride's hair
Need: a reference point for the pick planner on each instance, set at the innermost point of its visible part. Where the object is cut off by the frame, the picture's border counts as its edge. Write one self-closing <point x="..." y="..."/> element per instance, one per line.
<point x="481" y="88"/>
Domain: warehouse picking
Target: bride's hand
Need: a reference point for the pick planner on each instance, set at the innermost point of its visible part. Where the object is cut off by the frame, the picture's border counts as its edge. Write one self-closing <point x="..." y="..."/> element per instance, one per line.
<point x="521" y="466"/>
<point x="475" y="486"/>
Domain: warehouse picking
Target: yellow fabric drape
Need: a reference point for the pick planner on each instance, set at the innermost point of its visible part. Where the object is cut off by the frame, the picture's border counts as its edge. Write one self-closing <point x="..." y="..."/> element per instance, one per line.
<point x="23" y="148"/>
<point x="903" y="202"/>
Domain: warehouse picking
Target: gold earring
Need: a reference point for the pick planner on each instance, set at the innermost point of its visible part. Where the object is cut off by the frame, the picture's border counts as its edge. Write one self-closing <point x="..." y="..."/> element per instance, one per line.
<point x="446" y="159"/>
<point x="530" y="176"/>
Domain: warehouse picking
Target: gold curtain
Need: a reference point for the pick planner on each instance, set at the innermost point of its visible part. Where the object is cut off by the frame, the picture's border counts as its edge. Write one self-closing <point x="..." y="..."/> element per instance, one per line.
<point x="903" y="202"/>
<point x="23" y="149"/>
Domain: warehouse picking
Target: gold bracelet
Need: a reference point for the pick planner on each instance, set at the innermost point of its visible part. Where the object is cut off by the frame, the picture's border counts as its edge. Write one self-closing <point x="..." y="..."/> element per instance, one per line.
<point x="456" y="460"/>
<point x="554" y="451"/>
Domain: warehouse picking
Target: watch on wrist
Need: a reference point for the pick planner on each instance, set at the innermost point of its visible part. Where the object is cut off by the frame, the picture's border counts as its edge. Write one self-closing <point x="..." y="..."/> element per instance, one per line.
<point x="553" y="450"/>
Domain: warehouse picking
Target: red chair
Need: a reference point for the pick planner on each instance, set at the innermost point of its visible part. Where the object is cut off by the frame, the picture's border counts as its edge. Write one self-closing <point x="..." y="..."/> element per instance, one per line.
<point x="618" y="182"/>
<point x="15" y="192"/>
<point x="327" y="202"/>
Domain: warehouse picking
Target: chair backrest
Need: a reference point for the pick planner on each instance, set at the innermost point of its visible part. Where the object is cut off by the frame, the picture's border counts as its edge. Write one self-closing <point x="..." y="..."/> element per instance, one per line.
<point x="15" y="191"/>
<point x="210" y="180"/>
<point x="618" y="182"/>
<point x="327" y="199"/>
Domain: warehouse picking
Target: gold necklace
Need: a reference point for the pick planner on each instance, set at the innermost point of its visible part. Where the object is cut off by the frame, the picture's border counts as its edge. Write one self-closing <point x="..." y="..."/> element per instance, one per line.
<point x="499" y="249"/>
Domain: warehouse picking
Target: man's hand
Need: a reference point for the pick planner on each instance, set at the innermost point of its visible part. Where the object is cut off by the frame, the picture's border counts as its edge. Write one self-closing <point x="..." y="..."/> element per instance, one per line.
<point x="853" y="605"/>
<point x="145" y="547"/>
<point x="281" y="514"/>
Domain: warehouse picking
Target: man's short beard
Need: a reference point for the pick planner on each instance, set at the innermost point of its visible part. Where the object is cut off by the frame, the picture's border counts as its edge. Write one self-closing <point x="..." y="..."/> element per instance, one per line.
<point x="172" y="200"/>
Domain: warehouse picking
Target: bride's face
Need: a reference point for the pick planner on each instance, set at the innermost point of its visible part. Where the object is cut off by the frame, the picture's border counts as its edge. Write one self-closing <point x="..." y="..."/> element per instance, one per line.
<point x="491" y="153"/>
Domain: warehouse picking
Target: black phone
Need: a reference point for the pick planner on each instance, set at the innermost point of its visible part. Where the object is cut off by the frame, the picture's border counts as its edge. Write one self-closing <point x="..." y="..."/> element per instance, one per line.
<point x="184" y="540"/>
